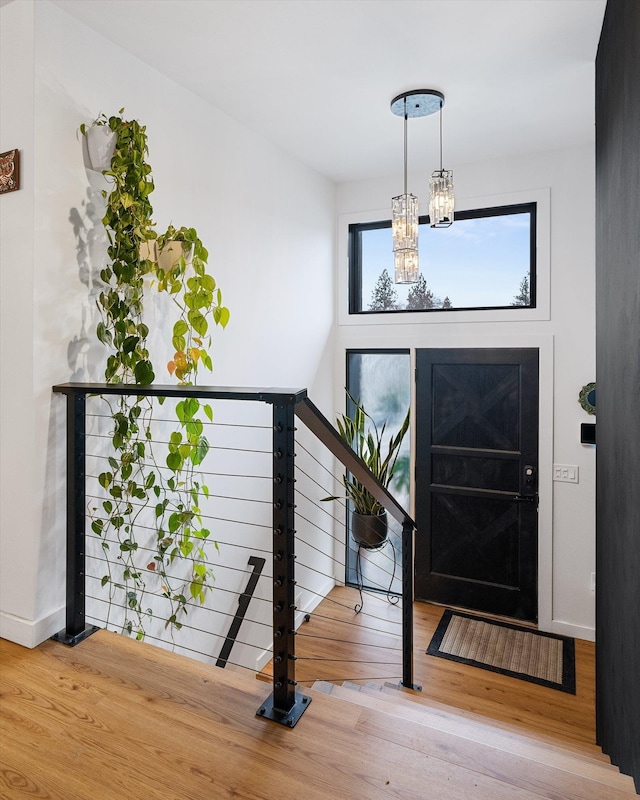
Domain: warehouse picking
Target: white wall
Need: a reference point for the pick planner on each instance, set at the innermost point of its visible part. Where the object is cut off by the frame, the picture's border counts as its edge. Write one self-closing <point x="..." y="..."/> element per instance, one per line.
<point x="18" y="549"/>
<point x="563" y="329"/>
<point x="266" y="220"/>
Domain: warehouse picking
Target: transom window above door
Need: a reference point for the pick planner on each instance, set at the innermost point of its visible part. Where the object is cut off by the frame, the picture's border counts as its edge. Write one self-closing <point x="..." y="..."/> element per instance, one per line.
<point x="485" y="260"/>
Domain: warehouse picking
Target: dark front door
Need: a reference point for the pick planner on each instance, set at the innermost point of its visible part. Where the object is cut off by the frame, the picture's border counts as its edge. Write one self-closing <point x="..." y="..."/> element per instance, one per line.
<point x="476" y="479"/>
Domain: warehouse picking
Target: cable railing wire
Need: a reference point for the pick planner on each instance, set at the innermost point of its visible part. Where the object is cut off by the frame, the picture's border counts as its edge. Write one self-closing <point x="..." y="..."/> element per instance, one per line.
<point x="177" y="646"/>
<point x="180" y="579"/>
<point x="149" y="506"/>
<point x="358" y="679"/>
<point x="303" y="635"/>
<point x="210" y="496"/>
<point x="206" y="423"/>
<point x="349" y="608"/>
<point x="186" y="626"/>
<point x="211" y="446"/>
<point x="342" y="502"/>
<point x="338" y="541"/>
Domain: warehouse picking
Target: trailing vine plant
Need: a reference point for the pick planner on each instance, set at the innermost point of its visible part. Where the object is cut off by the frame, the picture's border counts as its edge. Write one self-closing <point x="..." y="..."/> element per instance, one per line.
<point x="136" y="485"/>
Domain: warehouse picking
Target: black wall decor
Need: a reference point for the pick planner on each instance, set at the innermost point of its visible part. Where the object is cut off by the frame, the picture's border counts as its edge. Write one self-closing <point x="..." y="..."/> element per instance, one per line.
<point x="618" y="376"/>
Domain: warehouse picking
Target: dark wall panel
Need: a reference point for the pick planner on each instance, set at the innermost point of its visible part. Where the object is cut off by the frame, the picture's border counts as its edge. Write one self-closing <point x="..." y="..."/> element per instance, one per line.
<point x="618" y="378"/>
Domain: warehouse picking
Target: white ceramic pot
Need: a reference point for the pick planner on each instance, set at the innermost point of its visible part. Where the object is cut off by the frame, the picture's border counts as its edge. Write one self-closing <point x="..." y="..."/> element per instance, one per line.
<point x="101" y="142"/>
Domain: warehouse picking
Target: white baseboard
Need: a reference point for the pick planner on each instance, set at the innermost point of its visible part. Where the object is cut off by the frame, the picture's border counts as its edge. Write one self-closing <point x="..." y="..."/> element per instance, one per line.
<point x="264" y="658"/>
<point x="568" y="629"/>
<point x="31" y="633"/>
<point x="314" y="601"/>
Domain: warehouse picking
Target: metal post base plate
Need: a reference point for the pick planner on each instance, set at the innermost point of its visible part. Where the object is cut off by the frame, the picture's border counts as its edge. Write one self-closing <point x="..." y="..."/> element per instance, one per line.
<point x="72" y="641"/>
<point x="415" y="686"/>
<point x="285" y="718"/>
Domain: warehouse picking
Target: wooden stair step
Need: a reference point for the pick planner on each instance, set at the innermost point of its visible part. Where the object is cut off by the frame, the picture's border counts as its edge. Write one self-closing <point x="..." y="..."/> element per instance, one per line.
<point x="548" y="771"/>
<point x="580" y="749"/>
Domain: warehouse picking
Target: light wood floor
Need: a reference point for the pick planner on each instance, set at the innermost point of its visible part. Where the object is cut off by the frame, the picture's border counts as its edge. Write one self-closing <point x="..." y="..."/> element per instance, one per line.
<point x="537" y="708"/>
<point x="114" y="719"/>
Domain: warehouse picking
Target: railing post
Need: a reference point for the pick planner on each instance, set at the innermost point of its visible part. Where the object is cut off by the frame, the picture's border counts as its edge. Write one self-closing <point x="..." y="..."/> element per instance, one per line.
<point x="407" y="607"/>
<point x="284" y="705"/>
<point x="75" y="629"/>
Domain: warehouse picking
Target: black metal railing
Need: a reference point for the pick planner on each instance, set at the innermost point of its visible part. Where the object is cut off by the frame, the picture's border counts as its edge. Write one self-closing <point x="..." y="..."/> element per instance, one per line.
<point x="285" y="704"/>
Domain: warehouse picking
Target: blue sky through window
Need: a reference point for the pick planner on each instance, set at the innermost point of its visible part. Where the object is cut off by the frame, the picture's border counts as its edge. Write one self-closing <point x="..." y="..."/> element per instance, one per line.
<point x="475" y="262"/>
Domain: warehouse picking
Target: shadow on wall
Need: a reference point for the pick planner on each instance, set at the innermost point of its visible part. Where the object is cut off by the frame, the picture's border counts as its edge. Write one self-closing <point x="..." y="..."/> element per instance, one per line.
<point x="84" y="353"/>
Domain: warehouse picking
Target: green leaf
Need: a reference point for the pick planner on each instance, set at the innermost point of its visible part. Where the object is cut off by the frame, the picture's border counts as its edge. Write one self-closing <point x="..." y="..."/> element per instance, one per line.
<point x="144" y="373"/>
<point x="105" y="580"/>
<point x="208" y="411"/>
<point x="200" y="451"/>
<point x="191" y="406"/>
<point x="221" y="315"/>
<point x="198" y="322"/>
<point x="180" y="328"/>
<point x="128" y="546"/>
<point x="130" y="344"/>
<point x="174" y="461"/>
<point x="186" y="548"/>
<point x="103" y="334"/>
<point x="194" y="428"/>
<point x="179" y="343"/>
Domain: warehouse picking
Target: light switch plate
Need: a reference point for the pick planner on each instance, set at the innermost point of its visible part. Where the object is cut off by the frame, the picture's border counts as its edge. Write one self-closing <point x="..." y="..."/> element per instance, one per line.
<point x="566" y="473"/>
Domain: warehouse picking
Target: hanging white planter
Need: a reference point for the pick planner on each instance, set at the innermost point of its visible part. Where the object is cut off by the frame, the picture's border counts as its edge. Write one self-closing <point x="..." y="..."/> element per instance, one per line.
<point x="98" y="148"/>
<point x="171" y="252"/>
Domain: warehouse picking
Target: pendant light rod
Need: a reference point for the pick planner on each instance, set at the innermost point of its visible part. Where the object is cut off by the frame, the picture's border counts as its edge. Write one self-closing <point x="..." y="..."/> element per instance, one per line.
<point x="405" y="149"/>
<point x="440" y="138"/>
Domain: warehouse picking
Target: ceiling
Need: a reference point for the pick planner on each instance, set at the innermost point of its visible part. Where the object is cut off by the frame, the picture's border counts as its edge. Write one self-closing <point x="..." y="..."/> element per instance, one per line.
<point x="316" y="77"/>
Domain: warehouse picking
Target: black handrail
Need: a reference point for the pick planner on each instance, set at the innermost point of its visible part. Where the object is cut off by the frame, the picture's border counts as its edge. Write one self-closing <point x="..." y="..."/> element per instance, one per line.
<point x="285" y="704"/>
<point x="261" y="394"/>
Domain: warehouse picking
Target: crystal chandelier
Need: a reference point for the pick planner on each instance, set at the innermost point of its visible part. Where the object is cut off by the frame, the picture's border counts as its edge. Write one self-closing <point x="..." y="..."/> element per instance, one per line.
<point x="441" y="198"/>
<point x="404" y="210"/>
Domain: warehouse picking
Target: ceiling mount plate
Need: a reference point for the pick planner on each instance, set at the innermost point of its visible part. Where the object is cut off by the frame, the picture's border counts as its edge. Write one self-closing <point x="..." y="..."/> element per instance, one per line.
<point x="417" y="103"/>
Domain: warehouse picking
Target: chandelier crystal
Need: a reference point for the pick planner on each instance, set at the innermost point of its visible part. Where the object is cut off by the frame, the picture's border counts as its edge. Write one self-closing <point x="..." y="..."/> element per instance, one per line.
<point x="404" y="228"/>
<point x="441" y="197"/>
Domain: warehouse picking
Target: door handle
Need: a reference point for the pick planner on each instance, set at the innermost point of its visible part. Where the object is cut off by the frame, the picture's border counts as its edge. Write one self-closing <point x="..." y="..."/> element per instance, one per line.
<point x="529" y="478"/>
